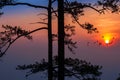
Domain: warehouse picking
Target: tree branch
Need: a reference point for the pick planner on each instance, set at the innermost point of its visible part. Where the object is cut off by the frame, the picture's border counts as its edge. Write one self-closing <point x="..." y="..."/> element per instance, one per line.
<point x="10" y="43"/>
<point x="53" y="11"/>
<point x="40" y="23"/>
<point x="27" y="4"/>
<point x="97" y="10"/>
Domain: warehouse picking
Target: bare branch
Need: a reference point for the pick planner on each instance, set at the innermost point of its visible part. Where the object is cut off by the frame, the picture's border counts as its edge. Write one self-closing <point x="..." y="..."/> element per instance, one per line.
<point x="27" y="4"/>
<point x="43" y="14"/>
<point x="53" y="11"/>
<point x="54" y="1"/>
<point x="40" y="23"/>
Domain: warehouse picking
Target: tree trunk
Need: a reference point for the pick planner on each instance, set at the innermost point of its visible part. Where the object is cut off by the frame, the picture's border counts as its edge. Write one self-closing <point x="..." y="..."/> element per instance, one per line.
<point x="61" y="35"/>
<point x="50" y="65"/>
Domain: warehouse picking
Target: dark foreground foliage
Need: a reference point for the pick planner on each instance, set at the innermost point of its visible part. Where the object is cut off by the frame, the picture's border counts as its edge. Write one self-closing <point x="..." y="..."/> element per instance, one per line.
<point x="80" y="69"/>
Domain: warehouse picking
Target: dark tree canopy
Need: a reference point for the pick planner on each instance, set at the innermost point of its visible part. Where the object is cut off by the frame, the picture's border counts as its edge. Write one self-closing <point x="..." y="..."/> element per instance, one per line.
<point x="80" y="69"/>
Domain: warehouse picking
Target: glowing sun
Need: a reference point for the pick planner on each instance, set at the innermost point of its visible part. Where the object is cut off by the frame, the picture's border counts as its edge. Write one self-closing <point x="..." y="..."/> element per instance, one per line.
<point x="108" y="39"/>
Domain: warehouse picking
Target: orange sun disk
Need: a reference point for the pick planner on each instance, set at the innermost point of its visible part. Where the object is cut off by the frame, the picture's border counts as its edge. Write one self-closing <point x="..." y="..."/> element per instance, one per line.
<point x="108" y="39"/>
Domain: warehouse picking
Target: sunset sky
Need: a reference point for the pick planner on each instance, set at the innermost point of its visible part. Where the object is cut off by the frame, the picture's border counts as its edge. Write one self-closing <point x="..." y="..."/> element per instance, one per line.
<point x="101" y="48"/>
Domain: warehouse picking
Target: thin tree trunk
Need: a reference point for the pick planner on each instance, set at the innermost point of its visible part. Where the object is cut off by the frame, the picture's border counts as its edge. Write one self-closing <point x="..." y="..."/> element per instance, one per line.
<point x="50" y="66"/>
<point x="61" y="35"/>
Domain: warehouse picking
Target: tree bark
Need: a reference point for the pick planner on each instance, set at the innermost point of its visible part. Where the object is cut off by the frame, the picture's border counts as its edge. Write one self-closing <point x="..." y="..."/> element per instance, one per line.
<point x="50" y="66"/>
<point x="61" y="35"/>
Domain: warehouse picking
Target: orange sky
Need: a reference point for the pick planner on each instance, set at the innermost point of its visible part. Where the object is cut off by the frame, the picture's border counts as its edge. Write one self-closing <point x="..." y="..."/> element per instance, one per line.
<point x="106" y="23"/>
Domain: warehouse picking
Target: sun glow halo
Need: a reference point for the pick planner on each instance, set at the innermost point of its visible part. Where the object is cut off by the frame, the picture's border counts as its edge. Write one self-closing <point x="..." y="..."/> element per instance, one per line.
<point x="107" y="41"/>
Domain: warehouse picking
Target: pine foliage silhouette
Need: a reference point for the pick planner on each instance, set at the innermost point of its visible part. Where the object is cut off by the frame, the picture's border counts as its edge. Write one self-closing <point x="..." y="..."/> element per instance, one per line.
<point x="10" y="34"/>
<point x="80" y="69"/>
<point x="118" y="78"/>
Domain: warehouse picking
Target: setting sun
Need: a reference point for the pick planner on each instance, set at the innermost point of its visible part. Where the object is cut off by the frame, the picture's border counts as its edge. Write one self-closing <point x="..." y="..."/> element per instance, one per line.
<point x="107" y="38"/>
<point x="107" y="41"/>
